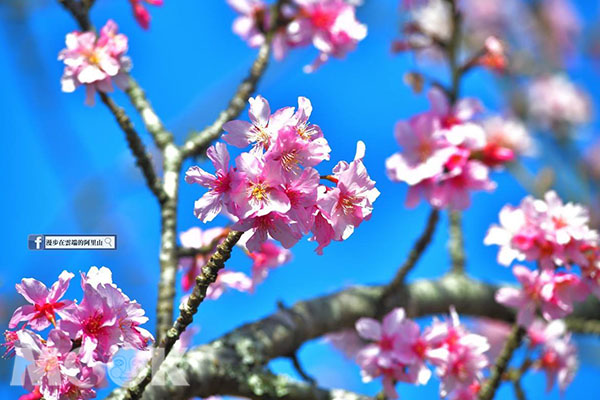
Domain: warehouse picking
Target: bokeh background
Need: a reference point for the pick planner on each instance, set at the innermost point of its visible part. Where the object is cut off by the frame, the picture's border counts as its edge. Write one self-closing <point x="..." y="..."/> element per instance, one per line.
<point x="67" y="168"/>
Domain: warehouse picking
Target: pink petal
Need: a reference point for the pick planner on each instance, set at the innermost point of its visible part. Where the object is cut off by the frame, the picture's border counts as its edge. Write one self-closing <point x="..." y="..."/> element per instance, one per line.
<point x="368" y="328"/>
<point x="33" y="290"/>
<point x="238" y="133"/>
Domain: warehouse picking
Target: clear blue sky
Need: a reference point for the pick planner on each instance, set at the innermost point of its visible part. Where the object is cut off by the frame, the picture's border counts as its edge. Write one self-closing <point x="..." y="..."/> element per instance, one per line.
<point x="67" y="168"/>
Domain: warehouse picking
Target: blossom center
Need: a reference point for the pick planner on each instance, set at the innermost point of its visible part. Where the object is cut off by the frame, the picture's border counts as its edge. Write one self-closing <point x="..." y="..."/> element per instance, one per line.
<point x="259" y="191"/>
<point x="347" y="203"/>
<point x="93" y="324"/>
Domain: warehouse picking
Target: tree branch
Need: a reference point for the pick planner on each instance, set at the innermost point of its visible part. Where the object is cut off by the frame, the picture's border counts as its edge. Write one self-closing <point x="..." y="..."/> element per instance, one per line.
<point x="456" y="243"/>
<point x="284" y="332"/>
<point x="187" y="310"/>
<point x="499" y="368"/>
<point x="153" y="124"/>
<point x="79" y="10"/>
<point x="143" y="159"/>
<point x="200" y="141"/>
<point x="414" y="255"/>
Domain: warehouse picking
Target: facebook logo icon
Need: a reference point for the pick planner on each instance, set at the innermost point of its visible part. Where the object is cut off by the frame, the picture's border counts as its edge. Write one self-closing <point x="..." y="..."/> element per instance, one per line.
<point x="35" y="242"/>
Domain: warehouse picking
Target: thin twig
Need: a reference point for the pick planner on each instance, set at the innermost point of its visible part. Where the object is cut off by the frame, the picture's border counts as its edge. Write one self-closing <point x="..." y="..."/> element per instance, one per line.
<point x="143" y="159"/>
<point x="500" y="366"/>
<point x="456" y="243"/>
<point x="200" y="141"/>
<point x="187" y="310"/>
<point x="414" y="255"/>
<point x="300" y="370"/>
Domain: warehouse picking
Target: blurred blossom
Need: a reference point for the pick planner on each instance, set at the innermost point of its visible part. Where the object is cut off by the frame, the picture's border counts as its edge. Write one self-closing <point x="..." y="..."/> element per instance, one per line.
<point x="559" y="361"/>
<point x="563" y="25"/>
<point x="592" y="160"/>
<point x="346" y="341"/>
<point x="554" y="99"/>
<point x="509" y="133"/>
<point x="434" y="19"/>
<point x="495" y="332"/>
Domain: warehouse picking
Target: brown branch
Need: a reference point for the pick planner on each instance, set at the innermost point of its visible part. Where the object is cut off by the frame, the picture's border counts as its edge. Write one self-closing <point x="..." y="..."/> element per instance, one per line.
<point x="79" y="10"/>
<point x="153" y="124"/>
<point x="414" y="255"/>
<point x="500" y="366"/>
<point x="143" y="159"/>
<point x="284" y="332"/>
<point x="456" y="243"/>
<point x="187" y="310"/>
<point x="200" y="141"/>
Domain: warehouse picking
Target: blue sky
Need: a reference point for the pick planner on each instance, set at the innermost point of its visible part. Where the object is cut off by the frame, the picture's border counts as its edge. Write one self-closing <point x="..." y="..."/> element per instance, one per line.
<point x="68" y="169"/>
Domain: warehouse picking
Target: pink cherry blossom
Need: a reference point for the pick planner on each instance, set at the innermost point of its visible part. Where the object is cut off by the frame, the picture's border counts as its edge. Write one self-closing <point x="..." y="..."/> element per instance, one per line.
<point x="554" y="99"/>
<point x="291" y="151"/>
<point x="52" y="362"/>
<point x="257" y="187"/>
<point x="330" y="25"/>
<point x="494" y="56"/>
<point x="351" y="201"/>
<point x="541" y="332"/>
<point x="380" y="357"/>
<point x="459" y="355"/>
<point x="252" y="20"/>
<point x="347" y="341"/>
<point x="228" y="279"/>
<point x="95" y="62"/>
<point x="220" y="184"/>
<point x="196" y="238"/>
<point x="548" y="231"/>
<point x="302" y="192"/>
<point x="44" y="303"/>
<point x="275" y="225"/>
<point x="496" y="332"/>
<point x="559" y="361"/>
<point x="553" y="293"/>
<point x="269" y="256"/>
<point x="262" y="128"/>
<point x="425" y="150"/>
<point x="300" y="118"/>
<point x="142" y="16"/>
<point x="94" y="322"/>
<point x="10" y="338"/>
<point x="507" y="133"/>
<point x="563" y="24"/>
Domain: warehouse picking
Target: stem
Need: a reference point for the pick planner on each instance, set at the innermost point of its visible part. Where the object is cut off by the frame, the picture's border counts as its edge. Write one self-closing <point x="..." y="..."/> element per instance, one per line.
<point x="168" y="257"/>
<point x="153" y="124"/>
<point x="456" y="243"/>
<point x="300" y="370"/>
<point x="414" y="255"/>
<point x="187" y="311"/>
<point x="143" y="159"/>
<point x="199" y="141"/>
<point x="512" y="343"/>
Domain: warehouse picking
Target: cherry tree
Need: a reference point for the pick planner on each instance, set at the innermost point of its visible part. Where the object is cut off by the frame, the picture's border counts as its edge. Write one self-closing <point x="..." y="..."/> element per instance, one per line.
<point x="275" y="191"/>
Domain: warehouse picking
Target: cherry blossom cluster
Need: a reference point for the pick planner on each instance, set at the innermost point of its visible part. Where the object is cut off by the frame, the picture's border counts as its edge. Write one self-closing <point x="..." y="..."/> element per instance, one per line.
<point x="95" y="62"/>
<point x="267" y="257"/>
<point x="70" y="362"/>
<point x="329" y="25"/>
<point x="399" y="352"/>
<point x="274" y="190"/>
<point x="446" y="155"/>
<point x="429" y="30"/>
<point x="550" y="348"/>
<point x="554" y="99"/>
<point x="142" y="16"/>
<point x="557" y="236"/>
